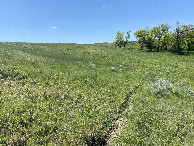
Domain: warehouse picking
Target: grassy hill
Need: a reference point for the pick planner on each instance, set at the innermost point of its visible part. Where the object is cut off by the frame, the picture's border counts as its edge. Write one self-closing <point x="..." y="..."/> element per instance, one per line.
<point x="71" y="94"/>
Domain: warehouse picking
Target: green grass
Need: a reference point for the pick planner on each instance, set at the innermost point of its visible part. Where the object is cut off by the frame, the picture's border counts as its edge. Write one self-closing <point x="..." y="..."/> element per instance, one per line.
<point x="64" y="93"/>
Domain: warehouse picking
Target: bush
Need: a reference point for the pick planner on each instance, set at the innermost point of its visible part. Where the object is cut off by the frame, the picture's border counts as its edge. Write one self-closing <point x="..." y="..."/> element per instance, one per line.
<point x="162" y="87"/>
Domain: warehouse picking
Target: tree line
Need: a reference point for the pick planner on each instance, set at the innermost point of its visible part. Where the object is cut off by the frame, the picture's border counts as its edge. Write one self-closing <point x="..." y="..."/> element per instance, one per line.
<point x="158" y="38"/>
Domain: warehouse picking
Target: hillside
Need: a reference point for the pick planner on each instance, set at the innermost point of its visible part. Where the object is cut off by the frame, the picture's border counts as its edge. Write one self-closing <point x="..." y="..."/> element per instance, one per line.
<point x="71" y="94"/>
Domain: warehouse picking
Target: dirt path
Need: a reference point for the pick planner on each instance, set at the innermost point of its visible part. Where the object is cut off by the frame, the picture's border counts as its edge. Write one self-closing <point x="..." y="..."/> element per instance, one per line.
<point x="120" y="122"/>
<point x="117" y="125"/>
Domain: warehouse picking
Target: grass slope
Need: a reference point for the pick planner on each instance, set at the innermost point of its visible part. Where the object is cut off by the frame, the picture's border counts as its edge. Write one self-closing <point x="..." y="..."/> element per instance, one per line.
<point x="64" y="93"/>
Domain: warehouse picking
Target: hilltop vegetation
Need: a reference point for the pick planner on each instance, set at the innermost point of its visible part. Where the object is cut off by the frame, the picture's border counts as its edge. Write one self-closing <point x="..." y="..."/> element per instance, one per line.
<point x="71" y="94"/>
<point x="160" y="38"/>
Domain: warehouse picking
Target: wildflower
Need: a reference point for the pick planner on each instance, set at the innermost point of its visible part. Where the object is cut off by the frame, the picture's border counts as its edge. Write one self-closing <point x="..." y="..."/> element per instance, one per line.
<point x="92" y="64"/>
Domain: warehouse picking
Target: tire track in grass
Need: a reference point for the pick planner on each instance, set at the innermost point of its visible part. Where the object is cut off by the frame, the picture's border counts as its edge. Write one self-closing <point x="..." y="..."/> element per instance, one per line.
<point x="118" y="124"/>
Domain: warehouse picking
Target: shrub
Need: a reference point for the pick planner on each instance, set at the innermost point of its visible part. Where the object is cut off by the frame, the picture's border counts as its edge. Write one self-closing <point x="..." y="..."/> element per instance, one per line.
<point x="162" y="87"/>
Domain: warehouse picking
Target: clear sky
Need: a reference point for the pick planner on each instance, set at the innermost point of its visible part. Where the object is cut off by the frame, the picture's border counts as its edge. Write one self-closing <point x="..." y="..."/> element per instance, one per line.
<point x="86" y="21"/>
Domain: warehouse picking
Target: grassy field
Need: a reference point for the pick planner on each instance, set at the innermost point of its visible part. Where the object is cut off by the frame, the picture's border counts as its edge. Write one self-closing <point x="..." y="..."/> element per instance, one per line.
<point x="71" y="94"/>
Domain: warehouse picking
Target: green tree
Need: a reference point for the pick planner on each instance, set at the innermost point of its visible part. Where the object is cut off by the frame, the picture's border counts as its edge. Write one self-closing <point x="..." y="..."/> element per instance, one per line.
<point x="145" y="38"/>
<point x="166" y="40"/>
<point x="121" y="40"/>
<point x="177" y="40"/>
<point x="188" y="37"/>
<point x="165" y="28"/>
<point x="149" y="40"/>
<point x="141" y="37"/>
<point x="159" y="37"/>
<point x="158" y="33"/>
<point x="127" y="37"/>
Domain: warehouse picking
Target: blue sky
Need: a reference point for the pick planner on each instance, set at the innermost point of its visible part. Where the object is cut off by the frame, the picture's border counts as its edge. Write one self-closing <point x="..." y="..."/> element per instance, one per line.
<point x="86" y="21"/>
